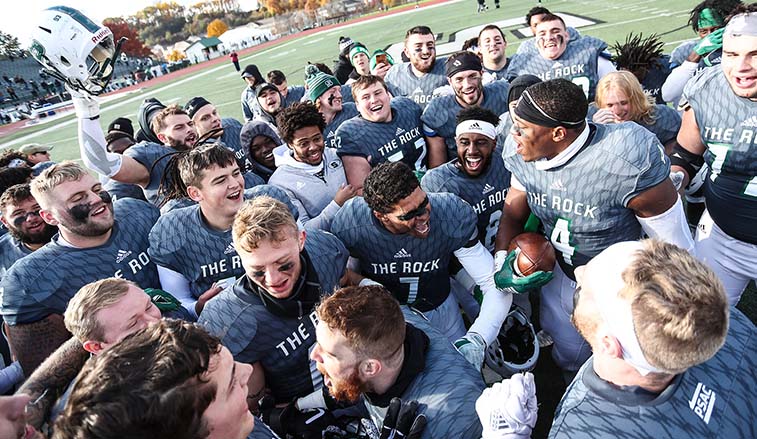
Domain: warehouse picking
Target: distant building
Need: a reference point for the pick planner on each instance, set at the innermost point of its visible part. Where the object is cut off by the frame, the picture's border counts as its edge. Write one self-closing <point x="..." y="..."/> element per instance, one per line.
<point x="245" y="36"/>
<point x="204" y="49"/>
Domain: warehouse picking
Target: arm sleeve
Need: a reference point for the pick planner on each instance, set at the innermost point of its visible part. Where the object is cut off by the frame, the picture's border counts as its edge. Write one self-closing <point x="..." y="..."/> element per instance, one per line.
<point x="479" y="264"/>
<point x="178" y="285"/>
<point x="604" y="66"/>
<point x="670" y="226"/>
<point x="516" y="184"/>
<point x="672" y="89"/>
<point x="93" y="149"/>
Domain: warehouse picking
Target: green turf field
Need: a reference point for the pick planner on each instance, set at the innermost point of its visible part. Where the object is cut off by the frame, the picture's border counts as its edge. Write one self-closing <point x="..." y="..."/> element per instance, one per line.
<point x="222" y="85"/>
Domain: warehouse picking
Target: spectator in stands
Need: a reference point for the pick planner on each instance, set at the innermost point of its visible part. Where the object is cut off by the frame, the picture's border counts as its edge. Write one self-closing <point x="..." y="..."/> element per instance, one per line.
<point x="36" y="152"/>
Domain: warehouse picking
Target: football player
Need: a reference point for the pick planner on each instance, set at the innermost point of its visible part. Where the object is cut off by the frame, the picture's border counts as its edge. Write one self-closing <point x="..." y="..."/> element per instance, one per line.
<point x="267" y="318"/>
<point x="325" y="92"/>
<point x="97" y="238"/>
<point x="206" y="119"/>
<point x="405" y="238"/>
<point x="464" y="73"/>
<point x="389" y="129"/>
<point x="719" y="129"/>
<point x="591" y="186"/>
<point x="580" y="60"/>
<point x="418" y="78"/>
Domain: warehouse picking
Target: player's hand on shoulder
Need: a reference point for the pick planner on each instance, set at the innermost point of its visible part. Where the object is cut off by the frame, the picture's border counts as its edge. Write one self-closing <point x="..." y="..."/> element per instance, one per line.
<point x="403" y="421"/>
<point x="207" y="295"/>
<point x="344" y="193"/>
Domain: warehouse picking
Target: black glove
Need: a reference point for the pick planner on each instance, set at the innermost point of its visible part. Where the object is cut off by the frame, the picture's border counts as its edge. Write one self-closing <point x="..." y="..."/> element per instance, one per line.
<point x="401" y="422"/>
<point x="290" y="423"/>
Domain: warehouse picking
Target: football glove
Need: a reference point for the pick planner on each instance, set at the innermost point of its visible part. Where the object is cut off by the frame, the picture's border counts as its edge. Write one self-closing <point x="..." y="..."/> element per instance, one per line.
<point x="506" y="280"/>
<point x="290" y="422"/>
<point x="86" y="105"/>
<point x="401" y="421"/>
<point x="472" y="347"/>
<point x="711" y="42"/>
<point x="508" y="409"/>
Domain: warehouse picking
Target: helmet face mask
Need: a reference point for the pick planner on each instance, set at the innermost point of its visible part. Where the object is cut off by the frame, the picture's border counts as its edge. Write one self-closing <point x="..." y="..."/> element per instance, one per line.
<point x="516" y="348"/>
<point x="74" y="49"/>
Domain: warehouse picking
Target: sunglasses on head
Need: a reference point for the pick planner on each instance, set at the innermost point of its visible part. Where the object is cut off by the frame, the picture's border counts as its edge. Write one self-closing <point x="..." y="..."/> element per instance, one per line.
<point x="418" y="211"/>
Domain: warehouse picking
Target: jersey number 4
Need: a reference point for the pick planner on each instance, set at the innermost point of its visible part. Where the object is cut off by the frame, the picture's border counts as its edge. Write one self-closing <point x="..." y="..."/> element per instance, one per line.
<point x="561" y="240"/>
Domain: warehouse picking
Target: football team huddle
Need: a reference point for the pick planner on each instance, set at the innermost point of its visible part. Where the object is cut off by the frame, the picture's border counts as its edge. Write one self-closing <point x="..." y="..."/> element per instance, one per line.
<point x="387" y="250"/>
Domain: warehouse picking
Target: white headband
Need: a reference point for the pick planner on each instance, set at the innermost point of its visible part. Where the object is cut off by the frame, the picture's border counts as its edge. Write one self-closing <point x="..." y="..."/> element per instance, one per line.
<point x="476" y="126"/>
<point x="742" y="25"/>
<point x="616" y="311"/>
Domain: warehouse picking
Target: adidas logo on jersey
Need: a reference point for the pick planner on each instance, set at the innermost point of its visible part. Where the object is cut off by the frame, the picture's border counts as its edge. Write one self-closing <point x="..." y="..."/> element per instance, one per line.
<point x="402" y="254"/>
<point x="331" y="134"/>
<point x="400" y="131"/>
<point x="300" y="184"/>
<point x="121" y="255"/>
<point x="230" y="249"/>
<point x="557" y="185"/>
<point x="487" y="188"/>
<point x="703" y="402"/>
<point x="750" y="122"/>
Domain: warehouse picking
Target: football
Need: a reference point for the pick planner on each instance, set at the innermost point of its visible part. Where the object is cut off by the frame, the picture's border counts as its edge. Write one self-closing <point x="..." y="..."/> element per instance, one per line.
<point x="535" y="253"/>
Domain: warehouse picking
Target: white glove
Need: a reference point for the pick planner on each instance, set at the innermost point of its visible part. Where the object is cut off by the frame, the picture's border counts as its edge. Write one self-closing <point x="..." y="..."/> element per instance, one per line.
<point x="499" y="260"/>
<point x="508" y="409"/>
<point x="472" y="347"/>
<point x="86" y="105"/>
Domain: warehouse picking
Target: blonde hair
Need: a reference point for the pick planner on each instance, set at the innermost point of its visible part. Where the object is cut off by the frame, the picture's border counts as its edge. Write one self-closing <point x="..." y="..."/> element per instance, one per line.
<point x="262" y="218"/>
<point x="680" y="311"/>
<point x="43" y="184"/>
<point x="642" y="108"/>
<point x="80" y="317"/>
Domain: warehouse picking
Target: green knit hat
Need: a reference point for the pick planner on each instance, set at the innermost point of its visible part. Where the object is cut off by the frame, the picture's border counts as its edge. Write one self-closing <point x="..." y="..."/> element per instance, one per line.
<point x="358" y="48"/>
<point x="389" y="58"/>
<point x="318" y="82"/>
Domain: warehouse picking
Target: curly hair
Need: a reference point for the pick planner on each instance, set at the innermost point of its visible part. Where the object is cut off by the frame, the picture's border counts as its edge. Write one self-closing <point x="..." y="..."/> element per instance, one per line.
<point x="722" y="8"/>
<point x="13" y="176"/>
<point x="297" y="116"/>
<point x="561" y="99"/>
<point x="638" y="55"/>
<point x="387" y="184"/>
<point x="476" y="113"/>
<point x="10" y="155"/>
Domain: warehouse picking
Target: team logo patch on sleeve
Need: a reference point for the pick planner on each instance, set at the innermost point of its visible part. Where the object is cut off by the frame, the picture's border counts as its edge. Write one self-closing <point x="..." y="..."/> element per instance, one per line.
<point x="703" y="402"/>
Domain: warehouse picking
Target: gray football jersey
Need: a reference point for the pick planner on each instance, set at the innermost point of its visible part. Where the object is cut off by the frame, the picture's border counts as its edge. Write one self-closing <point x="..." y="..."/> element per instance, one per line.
<point x="486" y="193"/>
<point x="439" y="116"/>
<point x="281" y="344"/>
<point x="415" y="270"/>
<point x="398" y="140"/>
<point x="401" y="81"/>
<point x="578" y="64"/>
<point x="154" y="158"/>
<point x="230" y="138"/>
<point x="446" y="389"/>
<point x="182" y="241"/>
<point x="294" y="95"/>
<point x="728" y="126"/>
<point x="712" y="400"/>
<point x="349" y="110"/>
<point x="261" y="431"/>
<point x="11" y="250"/>
<point x="117" y="190"/>
<point x="43" y="282"/>
<point x="529" y="46"/>
<point x="583" y="203"/>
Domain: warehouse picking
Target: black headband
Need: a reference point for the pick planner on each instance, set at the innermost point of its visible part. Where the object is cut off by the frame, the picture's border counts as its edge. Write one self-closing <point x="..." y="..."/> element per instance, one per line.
<point x="528" y="110"/>
<point x="462" y="62"/>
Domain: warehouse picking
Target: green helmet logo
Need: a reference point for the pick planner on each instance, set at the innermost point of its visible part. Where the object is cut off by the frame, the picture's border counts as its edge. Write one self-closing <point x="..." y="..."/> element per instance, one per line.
<point x="37" y="50"/>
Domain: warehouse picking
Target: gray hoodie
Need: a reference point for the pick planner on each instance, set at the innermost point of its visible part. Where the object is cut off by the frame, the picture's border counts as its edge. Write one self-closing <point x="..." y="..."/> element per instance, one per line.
<point x="311" y="188"/>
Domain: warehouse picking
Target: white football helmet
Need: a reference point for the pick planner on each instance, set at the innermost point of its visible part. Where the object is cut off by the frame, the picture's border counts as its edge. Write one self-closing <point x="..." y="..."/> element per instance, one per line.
<point x="74" y="49"/>
<point x="516" y="347"/>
